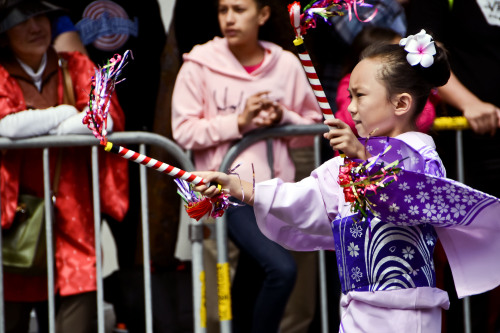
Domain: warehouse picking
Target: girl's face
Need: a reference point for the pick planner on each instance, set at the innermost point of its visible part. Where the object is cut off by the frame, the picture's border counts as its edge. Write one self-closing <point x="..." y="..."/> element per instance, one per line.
<point x="240" y="20"/>
<point x="370" y="107"/>
<point x="30" y="39"/>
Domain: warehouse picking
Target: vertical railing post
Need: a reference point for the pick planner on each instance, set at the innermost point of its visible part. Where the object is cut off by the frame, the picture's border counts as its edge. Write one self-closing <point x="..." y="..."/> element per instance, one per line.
<point x="49" y="218"/>
<point x="198" y="276"/>
<point x="97" y="238"/>
<point x="461" y="178"/>
<point x="321" y="257"/>
<point x="223" y="277"/>
<point x="145" y="245"/>
<point x="2" y="303"/>
<point x="43" y="143"/>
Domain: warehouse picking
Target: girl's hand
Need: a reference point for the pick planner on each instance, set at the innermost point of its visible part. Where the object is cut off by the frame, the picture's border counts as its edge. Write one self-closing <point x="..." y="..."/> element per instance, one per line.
<point x="230" y="184"/>
<point x="212" y="177"/>
<point x="342" y="138"/>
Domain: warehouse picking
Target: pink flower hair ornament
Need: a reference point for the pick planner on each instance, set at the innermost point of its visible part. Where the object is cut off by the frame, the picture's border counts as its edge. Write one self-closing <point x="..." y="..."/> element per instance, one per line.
<point x="420" y="48"/>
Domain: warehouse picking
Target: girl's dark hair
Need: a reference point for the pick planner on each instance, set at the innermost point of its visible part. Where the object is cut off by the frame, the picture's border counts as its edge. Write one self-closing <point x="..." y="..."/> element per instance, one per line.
<point x="366" y="37"/>
<point x="400" y="77"/>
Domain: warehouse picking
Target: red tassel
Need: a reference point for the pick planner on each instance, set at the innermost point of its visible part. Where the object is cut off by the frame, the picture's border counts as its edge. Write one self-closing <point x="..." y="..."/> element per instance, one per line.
<point x="197" y="210"/>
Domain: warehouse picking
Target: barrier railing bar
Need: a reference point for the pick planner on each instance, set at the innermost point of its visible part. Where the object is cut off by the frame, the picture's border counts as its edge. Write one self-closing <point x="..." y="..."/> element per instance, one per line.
<point x="97" y="239"/>
<point x="183" y="161"/>
<point x="233" y="152"/>
<point x="288" y="130"/>
<point x="44" y="142"/>
<point x="145" y="245"/>
<point x="442" y="123"/>
<point x="49" y="218"/>
<point x="458" y="124"/>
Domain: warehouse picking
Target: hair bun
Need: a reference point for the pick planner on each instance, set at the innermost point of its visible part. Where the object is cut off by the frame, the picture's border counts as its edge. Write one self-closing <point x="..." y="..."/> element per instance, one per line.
<point x="439" y="73"/>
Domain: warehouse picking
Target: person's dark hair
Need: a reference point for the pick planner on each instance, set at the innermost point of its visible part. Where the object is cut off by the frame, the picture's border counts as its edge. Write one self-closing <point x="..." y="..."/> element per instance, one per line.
<point x="14" y="12"/>
<point x="399" y="76"/>
<point x="278" y="28"/>
<point x="366" y="37"/>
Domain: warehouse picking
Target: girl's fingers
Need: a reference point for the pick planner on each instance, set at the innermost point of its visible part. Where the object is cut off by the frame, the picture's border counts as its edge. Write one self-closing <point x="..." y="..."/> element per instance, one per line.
<point x="335" y="123"/>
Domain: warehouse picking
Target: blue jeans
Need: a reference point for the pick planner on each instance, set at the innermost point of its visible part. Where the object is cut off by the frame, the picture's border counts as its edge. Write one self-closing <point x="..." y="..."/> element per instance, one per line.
<point x="264" y="278"/>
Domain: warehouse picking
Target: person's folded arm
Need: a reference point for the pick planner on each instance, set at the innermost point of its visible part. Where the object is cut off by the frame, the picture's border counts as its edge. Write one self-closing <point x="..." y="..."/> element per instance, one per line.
<point x="75" y="125"/>
<point x="30" y="123"/>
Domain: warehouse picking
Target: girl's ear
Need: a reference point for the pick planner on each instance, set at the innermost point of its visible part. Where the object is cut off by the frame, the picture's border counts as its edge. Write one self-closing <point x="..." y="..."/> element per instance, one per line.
<point x="402" y="103"/>
<point x="264" y="14"/>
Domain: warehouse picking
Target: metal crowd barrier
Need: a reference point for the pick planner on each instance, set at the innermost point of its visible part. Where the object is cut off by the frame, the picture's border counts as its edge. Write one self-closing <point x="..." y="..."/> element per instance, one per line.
<point x="221" y="225"/>
<point x="140" y="138"/>
<point x="442" y="123"/>
<point x="195" y="229"/>
<point x="458" y="124"/>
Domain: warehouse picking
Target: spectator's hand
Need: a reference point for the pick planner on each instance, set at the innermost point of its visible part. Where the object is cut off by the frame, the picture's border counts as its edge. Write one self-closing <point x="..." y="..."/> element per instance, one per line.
<point x="72" y="125"/>
<point x="253" y="107"/>
<point x="270" y="115"/>
<point x="484" y="118"/>
<point x="342" y="138"/>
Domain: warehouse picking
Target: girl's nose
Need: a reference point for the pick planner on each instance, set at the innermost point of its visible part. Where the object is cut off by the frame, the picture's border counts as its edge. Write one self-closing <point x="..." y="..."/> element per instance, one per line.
<point x="351" y="107"/>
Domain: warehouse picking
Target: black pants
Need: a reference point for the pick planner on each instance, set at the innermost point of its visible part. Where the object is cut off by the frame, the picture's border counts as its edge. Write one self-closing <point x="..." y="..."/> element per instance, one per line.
<point x="75" y="313"/>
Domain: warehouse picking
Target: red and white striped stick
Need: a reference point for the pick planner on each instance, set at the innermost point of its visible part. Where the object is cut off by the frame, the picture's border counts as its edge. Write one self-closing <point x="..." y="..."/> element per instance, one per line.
<point x="314" y="81"/>
<point x="154" y="164"/>
<point x="301" y="22"/>
<point x="305" y="60"/>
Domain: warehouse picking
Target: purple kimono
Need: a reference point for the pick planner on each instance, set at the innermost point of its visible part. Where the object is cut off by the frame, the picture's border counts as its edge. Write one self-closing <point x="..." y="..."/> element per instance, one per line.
<point x="385" y="263"/>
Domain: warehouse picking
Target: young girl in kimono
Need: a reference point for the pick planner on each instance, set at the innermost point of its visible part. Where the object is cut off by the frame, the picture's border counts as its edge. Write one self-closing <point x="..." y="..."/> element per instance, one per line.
<point x="385" y="262"/>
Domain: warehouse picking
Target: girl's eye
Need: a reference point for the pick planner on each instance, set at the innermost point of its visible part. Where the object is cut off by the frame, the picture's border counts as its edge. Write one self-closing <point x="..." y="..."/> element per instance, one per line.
<point x="239" y="9"/>
<point x="350" y="97"/>
<point x="222" y="10"/>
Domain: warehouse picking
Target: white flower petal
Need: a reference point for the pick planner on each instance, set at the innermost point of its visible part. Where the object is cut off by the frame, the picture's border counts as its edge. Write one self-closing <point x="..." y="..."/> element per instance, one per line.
<point x="414" y="58"/>
<point x="412" y="46"/>
<point x="427" y="60"/>
<point x="424" y="39"/>
<point x="430" y="49"/>
<point x="403" y="41"/>
<point x="421" y="33"/>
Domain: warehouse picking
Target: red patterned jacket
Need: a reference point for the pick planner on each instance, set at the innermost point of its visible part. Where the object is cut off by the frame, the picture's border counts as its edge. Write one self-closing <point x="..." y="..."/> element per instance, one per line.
<point x="21" y="172"/>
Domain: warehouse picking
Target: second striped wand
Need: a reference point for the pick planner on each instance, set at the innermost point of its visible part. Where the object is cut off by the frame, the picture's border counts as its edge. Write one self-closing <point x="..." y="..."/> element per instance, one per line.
<point x="102" y="87"/>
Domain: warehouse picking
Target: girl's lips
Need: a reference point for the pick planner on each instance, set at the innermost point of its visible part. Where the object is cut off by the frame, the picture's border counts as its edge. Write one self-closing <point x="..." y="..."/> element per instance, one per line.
<point x="230" y="32"/>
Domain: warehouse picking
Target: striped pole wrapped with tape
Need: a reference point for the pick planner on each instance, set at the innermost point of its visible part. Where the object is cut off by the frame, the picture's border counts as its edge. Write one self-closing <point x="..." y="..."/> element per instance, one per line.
<point x="314" y="81"/>
<point x="154" y="164"/>
<point x="305" y="60"/>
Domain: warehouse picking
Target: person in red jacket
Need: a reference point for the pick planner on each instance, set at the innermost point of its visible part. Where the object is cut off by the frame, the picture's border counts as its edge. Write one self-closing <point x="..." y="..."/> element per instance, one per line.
<point x="31" y="104"/>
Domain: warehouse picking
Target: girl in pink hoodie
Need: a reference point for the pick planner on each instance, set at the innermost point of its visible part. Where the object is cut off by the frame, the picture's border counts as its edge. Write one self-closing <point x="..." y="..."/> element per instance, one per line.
<point x="225" y="89"/>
